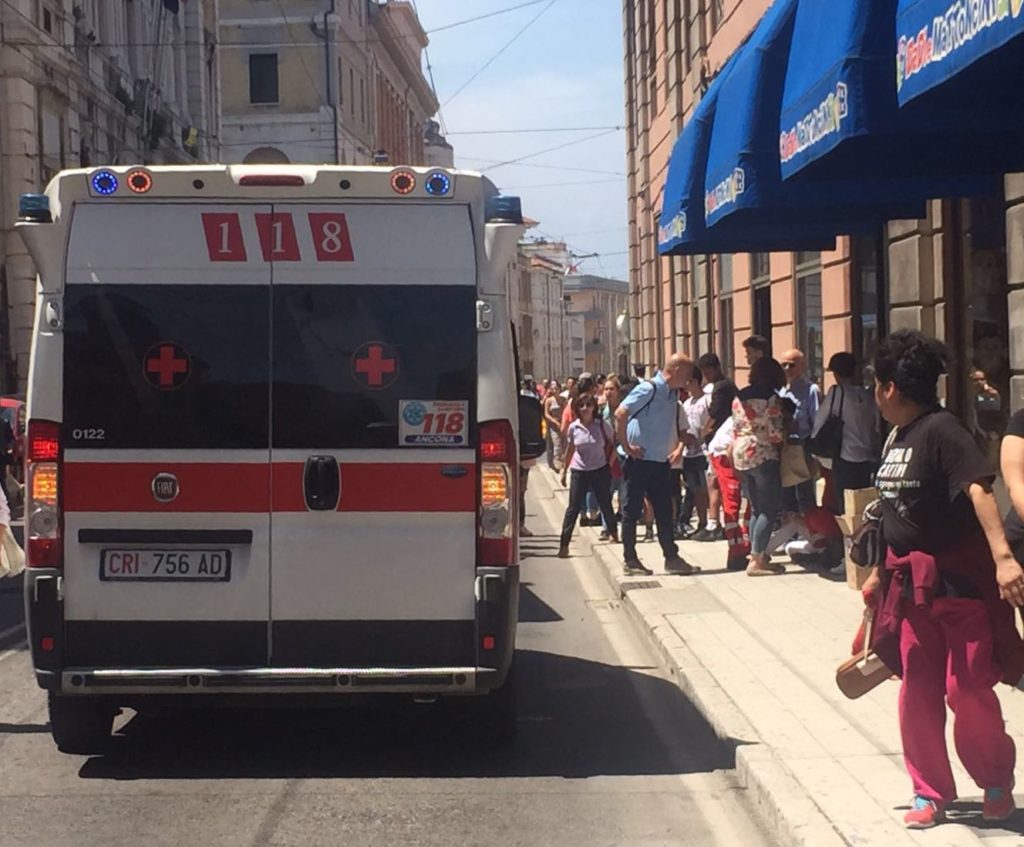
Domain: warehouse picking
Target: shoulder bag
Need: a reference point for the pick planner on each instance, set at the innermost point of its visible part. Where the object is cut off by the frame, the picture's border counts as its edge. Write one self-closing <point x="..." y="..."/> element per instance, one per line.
<point x="861" y="673"/>
<point x="828" y="440"/>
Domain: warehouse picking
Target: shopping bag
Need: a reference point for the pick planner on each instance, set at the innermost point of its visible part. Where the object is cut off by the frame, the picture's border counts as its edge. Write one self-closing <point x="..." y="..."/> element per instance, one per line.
<point x="12" y="557"/>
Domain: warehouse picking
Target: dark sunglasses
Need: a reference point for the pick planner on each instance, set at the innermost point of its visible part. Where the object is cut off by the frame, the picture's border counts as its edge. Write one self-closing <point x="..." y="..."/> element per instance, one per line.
<point x="788" y="365"/>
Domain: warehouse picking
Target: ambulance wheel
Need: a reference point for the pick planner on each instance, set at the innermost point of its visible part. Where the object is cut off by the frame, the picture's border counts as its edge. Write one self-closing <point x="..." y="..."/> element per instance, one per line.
<point x="80" y="725"/>
<point x="498" y="713"/>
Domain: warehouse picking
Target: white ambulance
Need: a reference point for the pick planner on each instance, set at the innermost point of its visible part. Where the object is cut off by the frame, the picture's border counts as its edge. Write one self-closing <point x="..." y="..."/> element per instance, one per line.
<point x="272" y="438"/>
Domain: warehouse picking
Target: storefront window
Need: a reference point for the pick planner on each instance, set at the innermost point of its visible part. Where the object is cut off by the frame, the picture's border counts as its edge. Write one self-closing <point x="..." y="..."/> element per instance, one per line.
<point x="986" y="335"/>
<point x="869" y="302"/>
<point x="726" y="336"/>
<point x="808" y="313"/>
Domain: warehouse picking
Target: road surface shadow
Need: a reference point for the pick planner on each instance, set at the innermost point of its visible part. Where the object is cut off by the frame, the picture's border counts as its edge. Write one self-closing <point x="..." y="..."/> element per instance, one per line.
<point x="577" y="719"/>
<point x="534" y="610"/>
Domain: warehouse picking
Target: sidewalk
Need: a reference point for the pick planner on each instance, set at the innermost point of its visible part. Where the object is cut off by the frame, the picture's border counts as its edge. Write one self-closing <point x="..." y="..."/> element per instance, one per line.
<point x="757" y="657"/>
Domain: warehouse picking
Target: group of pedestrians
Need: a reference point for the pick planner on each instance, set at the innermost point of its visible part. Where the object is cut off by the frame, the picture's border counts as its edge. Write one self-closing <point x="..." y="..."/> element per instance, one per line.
<point x="687" y="443"/>
<point x="949" y="575"/>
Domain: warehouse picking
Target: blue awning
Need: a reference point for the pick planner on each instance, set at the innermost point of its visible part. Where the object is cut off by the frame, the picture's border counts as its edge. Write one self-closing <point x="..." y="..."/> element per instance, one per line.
<point x="840" y="117"/>
<point x="939" y="40"/>
<point x="743" y="183"/>
<point x="682" y="230"/>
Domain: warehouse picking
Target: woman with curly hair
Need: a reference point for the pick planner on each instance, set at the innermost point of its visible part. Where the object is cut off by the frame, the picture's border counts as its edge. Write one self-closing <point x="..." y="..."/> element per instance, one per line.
<point x="948" y="587"/>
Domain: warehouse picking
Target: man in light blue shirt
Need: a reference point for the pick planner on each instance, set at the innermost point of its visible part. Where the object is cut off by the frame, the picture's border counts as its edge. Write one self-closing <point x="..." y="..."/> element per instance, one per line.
<point x="807" y="397"/>
<point x="647" y="430"/>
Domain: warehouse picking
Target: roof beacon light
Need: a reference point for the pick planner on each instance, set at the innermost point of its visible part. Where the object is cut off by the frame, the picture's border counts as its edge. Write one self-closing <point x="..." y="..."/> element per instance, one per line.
<point x="139" y="181"/>
<point x="34" y="208"/>
<point x="403" y="182"/>
<point x="104" y="182"/>
<point x="506" y="210"/>
<point x="438" y="184"/>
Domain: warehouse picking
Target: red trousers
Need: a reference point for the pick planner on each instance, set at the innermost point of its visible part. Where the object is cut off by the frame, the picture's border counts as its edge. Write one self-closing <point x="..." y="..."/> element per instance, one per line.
<point x="732" y="501"/>
<point x="947" y="656"/>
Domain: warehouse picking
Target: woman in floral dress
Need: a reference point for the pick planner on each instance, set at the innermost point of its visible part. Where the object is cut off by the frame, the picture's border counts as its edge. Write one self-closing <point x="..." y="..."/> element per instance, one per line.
<point x="759" y="436"/>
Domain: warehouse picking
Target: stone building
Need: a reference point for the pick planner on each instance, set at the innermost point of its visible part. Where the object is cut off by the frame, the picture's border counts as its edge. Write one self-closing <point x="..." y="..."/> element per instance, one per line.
<point x="958" y="273"/>
<point x="600" y="301"/>
<point x="539" y="313"/>
<point x="91" y="82"/>
<point x="337" y="81"/>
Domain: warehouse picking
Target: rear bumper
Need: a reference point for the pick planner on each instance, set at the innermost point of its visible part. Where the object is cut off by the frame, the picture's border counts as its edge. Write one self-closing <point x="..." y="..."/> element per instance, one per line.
<point x="340" y="681"/>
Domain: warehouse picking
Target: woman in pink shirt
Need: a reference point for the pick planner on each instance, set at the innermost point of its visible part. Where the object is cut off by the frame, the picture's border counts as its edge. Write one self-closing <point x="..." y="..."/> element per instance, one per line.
<point x="589" y="445"/>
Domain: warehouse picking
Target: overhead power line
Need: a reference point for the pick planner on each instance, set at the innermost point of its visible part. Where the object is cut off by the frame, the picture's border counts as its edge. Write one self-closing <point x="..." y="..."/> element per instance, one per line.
<point x="493" y="14"/>
<point x="494" y="58"/>
<point x="549" y="150"/>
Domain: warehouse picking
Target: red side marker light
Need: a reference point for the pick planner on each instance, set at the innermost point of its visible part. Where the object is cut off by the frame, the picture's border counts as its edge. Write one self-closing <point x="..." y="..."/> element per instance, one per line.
<point x="47" y="643"/>
<point x="489" y="642"/>
<point x="140" y="182"/>
<point x="272" y="179"/>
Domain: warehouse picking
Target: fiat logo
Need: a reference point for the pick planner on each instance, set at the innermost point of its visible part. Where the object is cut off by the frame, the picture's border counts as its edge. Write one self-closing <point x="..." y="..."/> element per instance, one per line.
<point x="165" y="487"/>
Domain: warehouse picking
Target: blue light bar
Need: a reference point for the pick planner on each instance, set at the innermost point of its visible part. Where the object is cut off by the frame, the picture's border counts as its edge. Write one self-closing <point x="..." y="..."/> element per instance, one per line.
<point x="504" y="210"/>
<point x="104" y="182"/>
<point x="35" y="208"/>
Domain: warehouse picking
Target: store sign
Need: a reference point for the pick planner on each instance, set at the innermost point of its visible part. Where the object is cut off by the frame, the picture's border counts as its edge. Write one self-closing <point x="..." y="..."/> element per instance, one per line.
<point x="675" y="228"/>
<point x="827" y="119"/>
<point x="963" y="21"/>
<point x="725" y="193"/>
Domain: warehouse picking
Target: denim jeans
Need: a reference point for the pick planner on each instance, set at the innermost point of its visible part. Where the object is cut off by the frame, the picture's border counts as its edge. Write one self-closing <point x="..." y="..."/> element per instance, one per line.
<point x="615" y="488"/>
<point x="695" y="479"/>
<point x="764" y="490"/>
<point x="652" y="480"/>
<point x="582" y="483"/>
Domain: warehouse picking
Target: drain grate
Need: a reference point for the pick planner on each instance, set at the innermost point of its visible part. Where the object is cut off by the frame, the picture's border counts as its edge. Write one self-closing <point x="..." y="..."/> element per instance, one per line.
<point x="643" y="583"/>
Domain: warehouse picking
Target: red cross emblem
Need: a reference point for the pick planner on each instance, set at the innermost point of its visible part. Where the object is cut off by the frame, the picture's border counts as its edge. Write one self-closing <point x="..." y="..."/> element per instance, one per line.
<point x="167" y="365"/>
<point x="376" y="365"/>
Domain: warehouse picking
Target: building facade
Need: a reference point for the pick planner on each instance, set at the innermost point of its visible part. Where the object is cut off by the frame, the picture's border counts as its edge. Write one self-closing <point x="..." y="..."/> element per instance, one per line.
<point x="538" y="311"/>
<point x="92" y="82"/>
<point x="319" y="81"/>
<point x="958" y="274"/>
<point x="600" y="301"/>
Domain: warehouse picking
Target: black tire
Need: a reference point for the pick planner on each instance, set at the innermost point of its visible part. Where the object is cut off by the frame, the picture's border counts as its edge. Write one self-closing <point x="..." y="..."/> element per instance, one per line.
<point x="80" y="725"/>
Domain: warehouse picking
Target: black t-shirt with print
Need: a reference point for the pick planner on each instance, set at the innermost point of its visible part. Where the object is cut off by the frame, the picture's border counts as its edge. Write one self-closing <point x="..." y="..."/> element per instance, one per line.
<point x="921" y="484"/>
<point x="1014" y="525"/>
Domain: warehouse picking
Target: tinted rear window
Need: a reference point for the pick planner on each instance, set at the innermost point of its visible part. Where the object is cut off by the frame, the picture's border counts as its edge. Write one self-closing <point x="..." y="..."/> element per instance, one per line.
<point x="170" y="366"/>
<point x="332" y="343"/>
<point x="189" y="366"/>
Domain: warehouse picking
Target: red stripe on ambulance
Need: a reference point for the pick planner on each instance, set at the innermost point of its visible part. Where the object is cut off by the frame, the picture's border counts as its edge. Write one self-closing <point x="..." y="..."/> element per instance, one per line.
<point x="226" y="487"/>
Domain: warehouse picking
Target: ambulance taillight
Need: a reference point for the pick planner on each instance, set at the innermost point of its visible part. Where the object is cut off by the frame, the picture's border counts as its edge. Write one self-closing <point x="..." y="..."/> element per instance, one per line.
<point x="499" y="505"/>
<point x="43" y="548"/>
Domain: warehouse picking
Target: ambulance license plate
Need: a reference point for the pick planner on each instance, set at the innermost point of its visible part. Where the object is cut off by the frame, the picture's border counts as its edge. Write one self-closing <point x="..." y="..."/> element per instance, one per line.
<point x="165" y="565"/>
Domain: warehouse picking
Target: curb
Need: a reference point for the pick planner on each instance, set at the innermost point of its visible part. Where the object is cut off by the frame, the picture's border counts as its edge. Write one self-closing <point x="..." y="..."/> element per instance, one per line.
<point x="788" y="813"/>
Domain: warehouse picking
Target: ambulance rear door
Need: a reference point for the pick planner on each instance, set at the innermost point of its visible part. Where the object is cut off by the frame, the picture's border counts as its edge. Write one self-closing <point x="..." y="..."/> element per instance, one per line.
<point x="166" y="430"/>
<point x="373" y="430"/>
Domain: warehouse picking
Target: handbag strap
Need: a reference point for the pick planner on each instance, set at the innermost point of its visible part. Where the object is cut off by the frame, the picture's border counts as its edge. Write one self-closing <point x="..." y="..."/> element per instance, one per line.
<point x="869" y="621"/>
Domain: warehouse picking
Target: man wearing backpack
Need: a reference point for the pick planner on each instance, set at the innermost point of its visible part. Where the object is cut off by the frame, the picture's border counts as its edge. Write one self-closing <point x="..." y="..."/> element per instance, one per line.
<point x="646" y="425"/>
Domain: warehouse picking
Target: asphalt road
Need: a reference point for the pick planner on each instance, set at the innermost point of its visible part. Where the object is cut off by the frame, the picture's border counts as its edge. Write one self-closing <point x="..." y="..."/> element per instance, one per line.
<point x="608" y="753"/>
